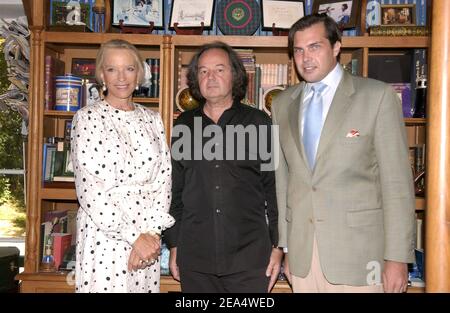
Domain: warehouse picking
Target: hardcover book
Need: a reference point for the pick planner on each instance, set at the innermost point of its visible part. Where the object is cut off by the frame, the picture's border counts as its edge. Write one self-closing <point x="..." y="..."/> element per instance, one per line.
<point x="61" y="242"/>
<point x="53" y="67"/>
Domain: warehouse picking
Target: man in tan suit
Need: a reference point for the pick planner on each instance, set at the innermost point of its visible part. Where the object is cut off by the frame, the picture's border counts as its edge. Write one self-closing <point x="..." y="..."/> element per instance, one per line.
<point x="344" y="183"/>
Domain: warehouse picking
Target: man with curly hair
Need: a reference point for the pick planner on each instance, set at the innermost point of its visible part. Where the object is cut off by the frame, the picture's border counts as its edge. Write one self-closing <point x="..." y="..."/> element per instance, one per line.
<point x="225" y="237"/>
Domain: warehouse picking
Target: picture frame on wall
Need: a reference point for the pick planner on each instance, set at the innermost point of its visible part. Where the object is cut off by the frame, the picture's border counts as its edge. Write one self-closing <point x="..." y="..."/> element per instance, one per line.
<point x="191" y="13"/>
<point x="398" y="15"/>
<point x="281" y="14"/>
<point x="345" y="13"/>
<point x="138" y="13"/>
<point x="83" y="67"/>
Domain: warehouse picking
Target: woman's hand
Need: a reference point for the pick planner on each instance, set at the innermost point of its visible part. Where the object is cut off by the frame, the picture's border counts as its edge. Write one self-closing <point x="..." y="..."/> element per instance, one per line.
<point x="134" y="262"/>
<point x="146" y="250"/>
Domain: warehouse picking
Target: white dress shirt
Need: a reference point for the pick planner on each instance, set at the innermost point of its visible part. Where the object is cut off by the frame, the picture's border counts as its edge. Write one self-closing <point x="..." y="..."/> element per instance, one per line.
<point x="332" y="81"/>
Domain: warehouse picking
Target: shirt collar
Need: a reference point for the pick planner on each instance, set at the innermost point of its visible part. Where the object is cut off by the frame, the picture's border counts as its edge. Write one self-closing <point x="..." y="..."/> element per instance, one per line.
<point x="331" y="80"/>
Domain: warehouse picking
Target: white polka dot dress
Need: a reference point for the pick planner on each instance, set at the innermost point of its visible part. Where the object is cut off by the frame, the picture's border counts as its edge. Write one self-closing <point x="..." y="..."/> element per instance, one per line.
<point x="123" y="183"/>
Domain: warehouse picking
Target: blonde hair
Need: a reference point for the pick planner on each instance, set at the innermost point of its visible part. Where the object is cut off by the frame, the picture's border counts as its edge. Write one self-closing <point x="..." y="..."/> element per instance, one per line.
<point x="118" y="44"/>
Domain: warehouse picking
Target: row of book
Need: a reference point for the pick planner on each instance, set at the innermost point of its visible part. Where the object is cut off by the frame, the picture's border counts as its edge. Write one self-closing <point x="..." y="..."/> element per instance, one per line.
<point x="57" y="165"/>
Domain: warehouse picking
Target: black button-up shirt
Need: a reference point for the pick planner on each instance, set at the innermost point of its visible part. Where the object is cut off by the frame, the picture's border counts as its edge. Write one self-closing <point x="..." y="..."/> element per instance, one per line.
<point x="223" y="203"/>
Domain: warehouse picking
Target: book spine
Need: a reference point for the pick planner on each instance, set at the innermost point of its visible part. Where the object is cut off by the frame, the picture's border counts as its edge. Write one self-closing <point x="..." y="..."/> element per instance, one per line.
<point x="154" y="88"/>
<point x="49" y="83"/>
<point x="61" y="242"/>
<point x="419" y="60"/>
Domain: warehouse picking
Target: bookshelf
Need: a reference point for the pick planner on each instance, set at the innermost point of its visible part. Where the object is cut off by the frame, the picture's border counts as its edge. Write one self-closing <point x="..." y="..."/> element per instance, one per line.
<point x="171" y="50"/>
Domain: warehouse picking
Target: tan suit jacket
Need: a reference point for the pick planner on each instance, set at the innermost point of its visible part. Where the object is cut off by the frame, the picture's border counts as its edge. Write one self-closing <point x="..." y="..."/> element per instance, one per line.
<point x="359" y="199"/>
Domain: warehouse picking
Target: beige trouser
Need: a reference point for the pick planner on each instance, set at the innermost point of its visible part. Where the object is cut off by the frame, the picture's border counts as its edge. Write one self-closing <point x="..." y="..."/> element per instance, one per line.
<point x="315" y="281"/>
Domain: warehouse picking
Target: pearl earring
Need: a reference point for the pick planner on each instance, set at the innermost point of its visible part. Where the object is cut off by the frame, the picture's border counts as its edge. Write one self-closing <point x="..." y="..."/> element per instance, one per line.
<point x="137" y="87"/>
<point x="104" y="86"/>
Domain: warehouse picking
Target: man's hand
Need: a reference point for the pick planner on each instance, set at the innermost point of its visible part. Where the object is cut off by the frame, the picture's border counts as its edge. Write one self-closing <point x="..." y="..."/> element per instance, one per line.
<point x="395" y="276"/>
<point x="273" y="269"/>
<point x="173" y="264"/>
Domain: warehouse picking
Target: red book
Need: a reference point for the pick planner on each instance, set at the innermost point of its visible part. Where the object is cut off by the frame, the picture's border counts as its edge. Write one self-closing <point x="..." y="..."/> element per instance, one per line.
<point x="61" y="242"/>
<point x="53" y="67"/>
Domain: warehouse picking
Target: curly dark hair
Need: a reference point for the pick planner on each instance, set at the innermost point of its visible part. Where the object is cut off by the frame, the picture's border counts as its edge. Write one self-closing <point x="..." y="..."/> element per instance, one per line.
<point x="240" y="79"/>
<point x="331" y="28"/>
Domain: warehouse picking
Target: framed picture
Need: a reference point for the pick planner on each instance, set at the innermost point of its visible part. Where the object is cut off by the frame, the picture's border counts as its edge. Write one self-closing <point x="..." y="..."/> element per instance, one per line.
<point x="92" y="93"/>
<point x="138" y="12"/>
<point x="190" y="13"/>
<point x="84" y="68"/>
<point x="281" y="13"/>
<point x="401" y="14"/>
<point x="70" y="13"/>
<point x="345" y="13"/>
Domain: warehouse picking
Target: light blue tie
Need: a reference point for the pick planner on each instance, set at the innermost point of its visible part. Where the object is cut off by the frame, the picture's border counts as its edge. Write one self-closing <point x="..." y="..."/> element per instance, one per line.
<point x="313" y="123"/>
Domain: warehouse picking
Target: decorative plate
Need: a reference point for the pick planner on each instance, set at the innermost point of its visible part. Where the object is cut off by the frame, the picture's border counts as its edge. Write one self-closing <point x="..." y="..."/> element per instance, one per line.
<point x="268" y="96"/>
<point x="238" y="17"/>
<point x="185" y="101"/>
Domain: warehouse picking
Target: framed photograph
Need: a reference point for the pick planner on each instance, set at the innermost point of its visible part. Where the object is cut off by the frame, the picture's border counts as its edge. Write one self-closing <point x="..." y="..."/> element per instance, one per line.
<point x="92" y="93"/>
<point x="70" y="13"/>
<point x="84" y="68"/>
<point x="345" y="13"/>
<point x="138" y="12"/>
<point x="281" y="13"/>
<point x="190" y="13"/>
<point x="401" y="15"/>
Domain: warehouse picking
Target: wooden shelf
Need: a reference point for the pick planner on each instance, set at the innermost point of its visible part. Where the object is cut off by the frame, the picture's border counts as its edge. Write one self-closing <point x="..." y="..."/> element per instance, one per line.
<point x="45" y="282"/>
<point x="385" y="42"/>
<point x="62" y="114"/>
<point x="416" y="290"/>
<point x="58" y="194"/>
<point x="70" y="114"/>
<point x="247" y="41"/>
<point x="234" y="41"/>
<point x="58" y="282"/>
<point x="415" y="121"/>
<point x="99" y="38"/>
<point x="146" y="100"/>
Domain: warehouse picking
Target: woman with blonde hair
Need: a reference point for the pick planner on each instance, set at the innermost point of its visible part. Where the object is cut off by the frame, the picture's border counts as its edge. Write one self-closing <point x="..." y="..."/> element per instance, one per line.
<point x="123" y="181"/>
